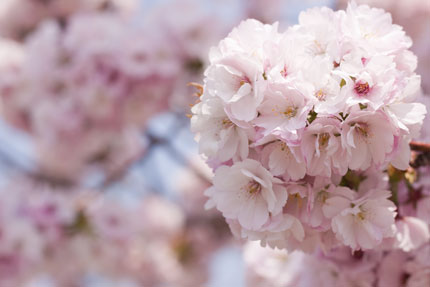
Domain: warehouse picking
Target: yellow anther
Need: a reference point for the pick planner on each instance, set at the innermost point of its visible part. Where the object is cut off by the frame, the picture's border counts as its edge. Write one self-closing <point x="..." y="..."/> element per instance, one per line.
<point x="290" y="112"/>
<point x="323" y="139"/>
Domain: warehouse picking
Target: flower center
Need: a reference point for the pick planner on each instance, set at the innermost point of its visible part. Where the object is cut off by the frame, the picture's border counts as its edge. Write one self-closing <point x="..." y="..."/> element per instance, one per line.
<point x="253" y="187"/>
<point x="244" y="81"/>
<point x="284" y="72"/>
<point x="290" y="112"/>
<point x="362" y="89"/>
<point x="362" y="129"/>
<point x="320" y="95"/>
<point x="323" y="140"/>
<point x="360" y="215"/>
<point x="226" y="123"/>
<point x="284" y="147"/>
<point x="322" y="196"/>
<point x="319" y="48"/>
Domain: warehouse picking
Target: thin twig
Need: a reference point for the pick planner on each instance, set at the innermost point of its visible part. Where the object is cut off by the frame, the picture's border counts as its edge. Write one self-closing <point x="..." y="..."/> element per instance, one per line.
<point x="420" y="146"/>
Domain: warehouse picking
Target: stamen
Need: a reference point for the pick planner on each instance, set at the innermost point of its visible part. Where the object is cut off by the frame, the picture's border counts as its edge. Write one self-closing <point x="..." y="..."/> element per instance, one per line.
<point x="284" y="147"/>
<point x="360" y="215"/>
<point x="226" y="123"/>
<point x="253" y="187"/>
<point x="284" y="72"/>
<point x="362" y="89"/>
<point x="319" y="49"/>
<point x="322" y="196"/>
<point x="363" y="129"/>
<point x="290" y="112"/>
<point x="320" y="95"/>
<point x="323" y="140"/>
<point x="198" y="87"/>
<point x="244" y="81"/>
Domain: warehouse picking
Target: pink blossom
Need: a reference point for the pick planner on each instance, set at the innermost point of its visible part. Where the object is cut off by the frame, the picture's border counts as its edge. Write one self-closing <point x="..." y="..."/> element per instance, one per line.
<point x="283" y="160"/>
<point x="361" y="223"/>
<point x="326" y="105"/>
<point x="222" y="138"/>
<point x="248" y="192"/>
<point x="283" y="113"/>
<point x="411" y="233"/>
<point x="267" y="266"/>
<point x="19" y="17"/>
<point x="368" y="137"/>
<point x="322" y="148"/>
<point x="89" y="91"/>
<point x="276" y="232"/>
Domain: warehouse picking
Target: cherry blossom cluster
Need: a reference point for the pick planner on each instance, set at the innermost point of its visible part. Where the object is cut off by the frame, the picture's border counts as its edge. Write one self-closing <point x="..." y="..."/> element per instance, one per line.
<point x="268" y="267"/>
<point x="300" y="125"/>
<point x="402" y="260"/>
<point x="98" y="233"/>
<point x="413" y="17"/>
<point x="85" y="91"/>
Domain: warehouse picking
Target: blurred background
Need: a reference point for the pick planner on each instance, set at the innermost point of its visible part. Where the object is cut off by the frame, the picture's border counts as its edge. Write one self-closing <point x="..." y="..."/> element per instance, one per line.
<point x="101" y="182"/>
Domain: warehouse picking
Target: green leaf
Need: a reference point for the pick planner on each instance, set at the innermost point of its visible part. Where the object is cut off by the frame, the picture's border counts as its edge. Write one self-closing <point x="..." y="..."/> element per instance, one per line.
<point x="362" y="106"/>
<point x="352" y="180"/>
<point x="81" y="224"/>
<point x="343" y="116"/>
<point x="312" y="116"/>
<point x="264" y="76"/>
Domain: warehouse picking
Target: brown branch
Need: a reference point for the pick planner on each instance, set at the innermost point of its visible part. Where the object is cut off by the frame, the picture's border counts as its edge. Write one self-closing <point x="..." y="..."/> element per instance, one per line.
<point x="420" y="146"/>
<point x="420" y="154"/>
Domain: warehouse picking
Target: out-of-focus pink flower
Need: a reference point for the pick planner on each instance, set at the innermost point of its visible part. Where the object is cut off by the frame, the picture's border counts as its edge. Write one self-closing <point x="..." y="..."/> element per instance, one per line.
<point x="411" y="233"/>
<point x="266" y="266"/>
<point x="264" y="11"/>
<point x="18" y="18"/>
<point x="149" y="241"/>
<point x="192" y="29"/>
<point x="79" y="89"/>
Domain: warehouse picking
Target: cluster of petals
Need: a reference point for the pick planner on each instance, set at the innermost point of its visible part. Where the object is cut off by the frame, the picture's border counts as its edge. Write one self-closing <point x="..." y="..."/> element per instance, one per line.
<point x="287" y="118"/>
<point x="85" y="91"/>
<point x="340" y="267"/>
<point x="98" y="233"/>
<point x="413" y="17"/>
<point x="401" y="260"/>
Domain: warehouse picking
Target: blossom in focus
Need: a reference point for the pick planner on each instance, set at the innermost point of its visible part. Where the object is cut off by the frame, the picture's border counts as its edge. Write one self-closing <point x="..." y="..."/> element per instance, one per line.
<point x="319" y="111"/>
<point x="361" y="223"/>
<point x="340" y="267"/>
<point x="413" y="17"/>
<point x="247" y="192"/>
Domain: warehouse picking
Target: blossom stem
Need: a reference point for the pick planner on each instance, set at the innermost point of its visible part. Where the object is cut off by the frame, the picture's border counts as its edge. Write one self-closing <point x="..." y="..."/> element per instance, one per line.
<point x="420" y="146"/>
